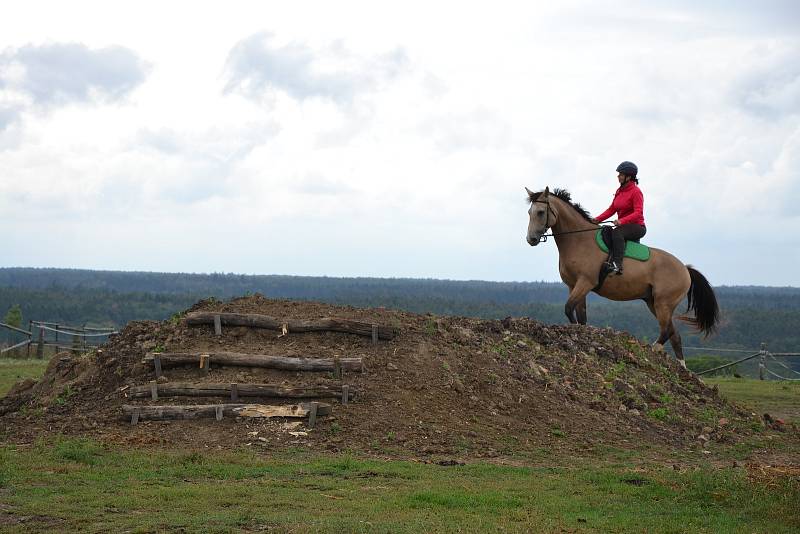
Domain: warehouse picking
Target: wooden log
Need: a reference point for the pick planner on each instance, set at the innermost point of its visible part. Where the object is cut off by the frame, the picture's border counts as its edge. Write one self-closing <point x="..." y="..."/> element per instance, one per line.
<point x="331" y="324"/>
<point x="200" y="411"/>
<point x="183" y="389"/>
<point x="173" y="359"/>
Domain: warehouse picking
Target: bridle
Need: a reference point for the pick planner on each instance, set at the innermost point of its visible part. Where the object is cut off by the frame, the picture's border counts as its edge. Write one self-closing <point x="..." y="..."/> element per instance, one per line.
<point x="543" y="237"/>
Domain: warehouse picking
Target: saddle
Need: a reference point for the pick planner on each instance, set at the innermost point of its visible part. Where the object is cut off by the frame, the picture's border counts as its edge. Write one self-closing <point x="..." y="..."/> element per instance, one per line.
<point x="633" y="249"/>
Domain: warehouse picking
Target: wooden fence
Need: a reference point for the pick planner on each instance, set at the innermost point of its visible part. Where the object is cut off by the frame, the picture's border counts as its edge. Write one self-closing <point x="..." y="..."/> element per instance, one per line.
<point x="41" y="334"/>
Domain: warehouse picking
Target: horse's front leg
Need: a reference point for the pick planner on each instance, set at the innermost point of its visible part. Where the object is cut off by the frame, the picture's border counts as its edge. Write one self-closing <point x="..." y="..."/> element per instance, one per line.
<point x="575" y="308"/>
<point x="580" y="310"/>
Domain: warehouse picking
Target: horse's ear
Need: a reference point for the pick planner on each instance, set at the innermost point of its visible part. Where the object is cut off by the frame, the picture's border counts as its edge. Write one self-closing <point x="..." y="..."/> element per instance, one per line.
<point x="529" y="191"/>
<point x="546" y="191"/>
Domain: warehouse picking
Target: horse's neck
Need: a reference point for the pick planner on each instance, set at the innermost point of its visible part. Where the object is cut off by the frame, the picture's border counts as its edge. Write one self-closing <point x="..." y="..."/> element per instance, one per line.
<point x="573" y="228"/>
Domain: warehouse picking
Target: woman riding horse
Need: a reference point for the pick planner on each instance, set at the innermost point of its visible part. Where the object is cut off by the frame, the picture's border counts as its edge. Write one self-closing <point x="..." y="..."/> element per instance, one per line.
<point x="661" y="280"/>
<point x="628" y="204"/>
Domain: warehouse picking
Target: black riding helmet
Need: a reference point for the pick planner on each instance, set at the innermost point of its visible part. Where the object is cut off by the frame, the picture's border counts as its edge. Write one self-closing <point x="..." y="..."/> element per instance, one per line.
<point x="628" y="167"/>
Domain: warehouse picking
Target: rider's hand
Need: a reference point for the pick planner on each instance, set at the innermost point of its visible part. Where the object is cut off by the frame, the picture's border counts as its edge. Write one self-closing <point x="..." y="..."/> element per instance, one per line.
<point x="595" y="221"/>
<point x="616" y="222"/>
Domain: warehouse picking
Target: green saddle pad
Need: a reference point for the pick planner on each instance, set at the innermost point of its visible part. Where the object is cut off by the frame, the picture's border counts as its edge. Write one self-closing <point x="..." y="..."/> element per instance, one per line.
<point x="634" y="250"/>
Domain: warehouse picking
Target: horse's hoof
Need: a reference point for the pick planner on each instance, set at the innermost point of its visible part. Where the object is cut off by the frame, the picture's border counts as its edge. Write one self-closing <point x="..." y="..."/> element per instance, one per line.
<point x="683" y="363"/>
<point x="658" y="347"/>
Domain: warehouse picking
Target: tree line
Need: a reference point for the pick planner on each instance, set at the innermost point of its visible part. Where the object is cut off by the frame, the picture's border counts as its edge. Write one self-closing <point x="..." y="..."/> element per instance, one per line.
<point x="750" y="314"/>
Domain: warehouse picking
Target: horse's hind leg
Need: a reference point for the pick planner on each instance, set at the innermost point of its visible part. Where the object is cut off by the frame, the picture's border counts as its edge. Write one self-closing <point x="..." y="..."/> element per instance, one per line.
<point x="664" y="322"/>
<point x="677" y="347"/>
<point x="667" y="331"/>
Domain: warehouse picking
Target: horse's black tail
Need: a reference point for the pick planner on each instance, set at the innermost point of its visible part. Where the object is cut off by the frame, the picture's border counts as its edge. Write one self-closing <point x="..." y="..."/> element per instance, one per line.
<point x="703" y="302"/>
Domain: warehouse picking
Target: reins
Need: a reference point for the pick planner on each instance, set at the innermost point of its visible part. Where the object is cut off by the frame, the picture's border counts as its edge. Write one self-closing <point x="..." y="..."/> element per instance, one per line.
<point x="543" y="237"/>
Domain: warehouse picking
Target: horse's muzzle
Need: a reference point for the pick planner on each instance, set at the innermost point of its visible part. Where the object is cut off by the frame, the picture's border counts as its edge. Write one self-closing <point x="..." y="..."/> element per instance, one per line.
<point x="533" y="241"/>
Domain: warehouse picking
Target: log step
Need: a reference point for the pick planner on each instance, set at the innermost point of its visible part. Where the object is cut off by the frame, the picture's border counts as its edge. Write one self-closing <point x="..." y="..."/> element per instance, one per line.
<point x="178" y="389"/>
<point x="253" y="320"/>
<point x="287" y="363"/>
<point x="200" y="411"/>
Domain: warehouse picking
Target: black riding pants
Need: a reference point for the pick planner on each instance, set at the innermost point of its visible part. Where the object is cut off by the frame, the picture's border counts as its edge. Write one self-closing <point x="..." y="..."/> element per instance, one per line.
<point x="622" y="233"/>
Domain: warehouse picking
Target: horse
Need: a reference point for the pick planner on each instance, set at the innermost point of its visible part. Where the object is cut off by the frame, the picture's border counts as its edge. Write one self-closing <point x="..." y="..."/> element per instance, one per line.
<point x="661" y="281"/>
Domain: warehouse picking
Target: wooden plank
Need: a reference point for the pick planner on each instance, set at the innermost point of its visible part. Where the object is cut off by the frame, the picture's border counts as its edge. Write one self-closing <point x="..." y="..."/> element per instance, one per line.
<point x="21" y="331"/>
<point x="186" y="389"/>
<point x="25" y="343"/>
<point x="154" y="390"/>
<point x="345" y="394"/>
<point x="330" y="324"/>
<point x="288" y="363"/>
<point x="218" y="412"/>
<point x="135" y="416"/>
<point x="157" y="364"/>
<point x="291" y="410"/>
<point x="234" y="392"/>
<point x="200" y="411"/>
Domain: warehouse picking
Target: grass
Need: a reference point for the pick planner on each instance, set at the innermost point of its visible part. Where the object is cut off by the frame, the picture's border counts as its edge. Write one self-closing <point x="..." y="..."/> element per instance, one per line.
<point x="13" y="370"/>
<point x="78" y="485"/>
<point x="778" y="398"/>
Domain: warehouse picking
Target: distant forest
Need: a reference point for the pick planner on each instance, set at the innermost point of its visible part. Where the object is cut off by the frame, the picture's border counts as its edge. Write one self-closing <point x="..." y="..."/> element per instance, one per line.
<point x="751" y="314"/>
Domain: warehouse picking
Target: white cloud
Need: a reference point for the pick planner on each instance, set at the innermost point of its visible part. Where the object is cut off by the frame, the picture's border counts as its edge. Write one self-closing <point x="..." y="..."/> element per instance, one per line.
<point x="62" y="73"/>
<point x="257" y="65"/>
<point x="397" y="142"/>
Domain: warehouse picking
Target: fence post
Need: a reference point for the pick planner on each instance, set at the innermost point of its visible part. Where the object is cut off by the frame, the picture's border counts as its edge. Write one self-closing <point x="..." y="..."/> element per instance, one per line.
<point x="40" y="347"/>
<point x="762" y="361"/>
<point x="30" y="338"/>
<point x="76" y="345"/>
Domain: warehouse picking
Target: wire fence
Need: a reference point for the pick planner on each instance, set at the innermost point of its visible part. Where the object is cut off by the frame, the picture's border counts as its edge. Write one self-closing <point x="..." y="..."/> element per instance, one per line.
<point x="764" y="356"/>
<point x="74" y="338"/>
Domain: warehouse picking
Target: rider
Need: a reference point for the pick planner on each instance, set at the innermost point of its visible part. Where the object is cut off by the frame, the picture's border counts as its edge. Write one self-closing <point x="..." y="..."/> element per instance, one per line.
<point x="628" y="204"/>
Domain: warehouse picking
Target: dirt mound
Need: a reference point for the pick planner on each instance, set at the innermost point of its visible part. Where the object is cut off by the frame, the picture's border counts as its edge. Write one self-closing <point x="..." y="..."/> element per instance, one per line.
<point x="445" y="386"/>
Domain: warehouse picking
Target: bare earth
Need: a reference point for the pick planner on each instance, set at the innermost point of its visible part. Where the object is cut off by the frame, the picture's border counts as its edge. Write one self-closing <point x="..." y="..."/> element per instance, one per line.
<point x="444" y="389"/>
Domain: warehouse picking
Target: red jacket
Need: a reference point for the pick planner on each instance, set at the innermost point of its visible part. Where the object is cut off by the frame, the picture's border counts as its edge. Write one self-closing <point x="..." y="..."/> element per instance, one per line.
<point x="628" y="204"/>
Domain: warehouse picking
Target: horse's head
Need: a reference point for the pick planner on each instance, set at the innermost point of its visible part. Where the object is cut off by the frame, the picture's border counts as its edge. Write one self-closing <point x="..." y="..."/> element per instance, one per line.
<point x="541" y="214"/>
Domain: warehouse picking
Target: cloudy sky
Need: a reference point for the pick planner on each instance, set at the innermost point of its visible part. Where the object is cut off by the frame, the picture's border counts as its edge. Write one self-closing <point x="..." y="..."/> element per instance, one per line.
<point x="394" y="139"/>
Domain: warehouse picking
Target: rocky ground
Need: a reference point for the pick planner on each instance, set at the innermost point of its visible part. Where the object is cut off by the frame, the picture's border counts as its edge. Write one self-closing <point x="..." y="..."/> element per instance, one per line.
<point x="443" y="388"/>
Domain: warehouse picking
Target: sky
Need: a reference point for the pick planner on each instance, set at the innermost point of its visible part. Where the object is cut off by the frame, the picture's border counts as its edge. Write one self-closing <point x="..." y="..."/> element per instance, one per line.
<point x="394" y="139"/>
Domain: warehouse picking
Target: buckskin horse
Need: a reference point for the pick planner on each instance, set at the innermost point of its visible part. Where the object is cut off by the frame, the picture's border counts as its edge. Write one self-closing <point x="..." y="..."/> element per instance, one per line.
<point x="661" y="281"/>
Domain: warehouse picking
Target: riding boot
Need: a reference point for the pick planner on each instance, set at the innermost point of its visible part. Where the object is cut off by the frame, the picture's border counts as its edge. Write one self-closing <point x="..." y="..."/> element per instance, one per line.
<point x="615" y="263"/>
<point x="618" y="267"/>
<point x="617" y="250"/>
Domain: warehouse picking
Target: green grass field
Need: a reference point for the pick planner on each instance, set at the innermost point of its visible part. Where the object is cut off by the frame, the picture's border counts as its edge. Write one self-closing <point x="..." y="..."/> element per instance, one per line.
<point x="79" y="485"/>
<point x="13" y="370"/>
<point x="777" y="398"/>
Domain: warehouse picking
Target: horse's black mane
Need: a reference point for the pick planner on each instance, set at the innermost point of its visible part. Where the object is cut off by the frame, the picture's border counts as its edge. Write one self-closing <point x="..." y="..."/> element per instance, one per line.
<point x="564" y="195"/>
